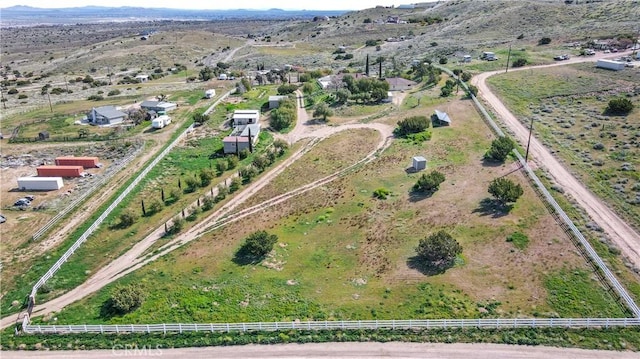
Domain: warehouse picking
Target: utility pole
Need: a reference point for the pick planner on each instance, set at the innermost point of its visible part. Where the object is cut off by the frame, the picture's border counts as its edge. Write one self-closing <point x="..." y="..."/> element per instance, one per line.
<point x="508" y="58"/>
<point x="526" y="156"/>
<point x="4" y="101"/>
<point x="50" y="106"/>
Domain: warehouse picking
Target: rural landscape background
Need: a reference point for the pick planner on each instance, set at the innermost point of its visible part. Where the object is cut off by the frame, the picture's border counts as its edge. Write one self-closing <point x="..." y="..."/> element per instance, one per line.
<point x="329" y="187"/>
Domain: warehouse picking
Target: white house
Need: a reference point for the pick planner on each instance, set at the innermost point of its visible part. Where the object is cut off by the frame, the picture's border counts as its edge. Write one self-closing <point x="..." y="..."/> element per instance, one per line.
<point x="325" y="82"/>
<point x="245" y="117"/>
<point x="142" y="78"/>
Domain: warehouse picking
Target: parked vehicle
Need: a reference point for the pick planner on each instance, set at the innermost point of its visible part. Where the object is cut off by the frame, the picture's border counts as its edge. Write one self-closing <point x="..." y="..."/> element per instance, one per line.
<point x="22" y="202"/>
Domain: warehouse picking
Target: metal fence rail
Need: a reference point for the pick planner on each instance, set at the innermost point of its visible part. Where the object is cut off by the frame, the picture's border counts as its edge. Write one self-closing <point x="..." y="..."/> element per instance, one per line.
<point x="497" y="323"/>
<point x="101" y="181"/>
<point x="591" y="253"/>
<point x="50" y="273"/>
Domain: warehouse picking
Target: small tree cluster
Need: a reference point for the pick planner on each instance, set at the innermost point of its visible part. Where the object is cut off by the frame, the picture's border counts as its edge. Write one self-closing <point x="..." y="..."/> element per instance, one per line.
<point x="366" y="90"/>
<point x="287" y="89"/>
<point x="322" y="111"/>
<point x="428" y="183"/>
<point x="544" y="41"/>
<point x="439" y="250"/>
<point x="519" y="62"/>
<point x="500" y="149"/>
<point x="505" y="190"/>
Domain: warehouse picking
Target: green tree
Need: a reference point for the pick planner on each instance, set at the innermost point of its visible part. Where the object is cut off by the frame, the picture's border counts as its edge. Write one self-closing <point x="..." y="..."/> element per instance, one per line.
<point x="206" y="176"/>
<point x="342" y="96"/>
<point x="127" y="219"/>
<point x="125" y="299"/>
<point x="473" y="90"/>
<point x="429" y="183"/>
<point x="286" y="89"/>
<point x="246" y="83"/>
<point x="308" y="88"/>
<point x="235" y="184"/>
<point x="176" y="225"/>
<point x="192" y="184"/>
<point x="439" y="250"/>
<point x="322" y="111"/>
<point x="259" y="244"/>
<point x="619" y="106"/>
<point x="409" y="125"/>
<point x="500" y="149"/>
<point x="154" y="207"/>
<point x="505" y="190"/>
<point x="200" y="118"/>
<point x="221" y="166"/>
<point x="443" y="60"/>
<point x="232" y="162"/>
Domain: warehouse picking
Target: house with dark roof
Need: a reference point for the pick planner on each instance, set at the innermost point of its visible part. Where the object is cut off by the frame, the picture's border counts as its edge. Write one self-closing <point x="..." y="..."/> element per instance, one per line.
<point x="106" y="115"/>
<point x="400" y="84"/>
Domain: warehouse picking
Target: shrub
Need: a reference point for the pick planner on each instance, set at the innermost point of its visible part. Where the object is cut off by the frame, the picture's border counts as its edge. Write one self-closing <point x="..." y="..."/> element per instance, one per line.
<point x="22" y="96"/>
<point x="381" y="193"/>
<point x="258" y="244"/>
<point x="443" y="60"/>
<point x="473" y="90"/>
<point x="176" y="226"/>
<point x="519" y="62"/>
<point x="505" y="190"/>
<point x="244" y="153"/>
<point x="466" y="76"/>
<point x="95" y="98"/>
<point x="125" y="299"/>
<point x="544" y="41"/>
<point x="207" y="203"/>
<point x="371" y="43"/>
<point x="429" y="183"/>
<point x="113" y="92"/>
<point x="519" y="240"/>
<point x="500" y="149"/>
<point x="439" y="250"/>
<point x="322" y="111"/>
<point x="619" y="106"/>
<point x="409" y="125"/>
<point x="155" y="206"/>
<point x="12" y="91"/>
<point x="232" y="162"/>
<point x="127" y="219"/>
<point x="286" y="89"/>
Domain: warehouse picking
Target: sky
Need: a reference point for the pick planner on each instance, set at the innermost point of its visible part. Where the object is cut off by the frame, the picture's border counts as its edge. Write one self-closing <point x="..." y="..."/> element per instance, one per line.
<point x="213" y="4"/>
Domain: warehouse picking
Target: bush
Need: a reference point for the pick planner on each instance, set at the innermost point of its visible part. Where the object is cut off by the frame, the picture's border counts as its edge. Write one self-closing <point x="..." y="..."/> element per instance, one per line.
<point x="176" y="226"/>
<point x="12" y="91"/>
<point x="127" y="219"/>
<point x="519" y="62"/>
<point x="619" y="106"/>
<point x="371" y="43"/>
<point x="206" y="175"/>
<point x="473" y="90"/>
<point x="505" y="190"/>
<point x="154" y="207"/>
<point x="443" y="60"/>
<point x="244" y="153"/>
<point x="95" y="98"/>
<point x="286" y="89"/>
<point x="113" y="93"/>
<point x="544" y="41"/>
<point x="466" y="76"/>
<point x="22" y="96"/>
<point x="322" y="111"/>
<point x="409" y="125"/>
<point x="381" y="193"/>
<point x="500" y="149"/>
<point x="232" y="162"/>
<point x="125" y="299"/>
<point x="221" y="166"/>
<point x="259" y="244"/>
<point x="439" y="250"/>
<point x="429" y="183"/>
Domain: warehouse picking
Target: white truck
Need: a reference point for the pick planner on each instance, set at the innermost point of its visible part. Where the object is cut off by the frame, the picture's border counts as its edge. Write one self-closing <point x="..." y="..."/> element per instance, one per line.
<point x="211" y="93"/>
<point x="160" y="121"/>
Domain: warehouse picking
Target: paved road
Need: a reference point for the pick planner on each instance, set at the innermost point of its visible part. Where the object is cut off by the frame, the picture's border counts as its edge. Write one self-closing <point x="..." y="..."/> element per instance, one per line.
<point x="615" y="227"/>
<point x="337" y="350"/>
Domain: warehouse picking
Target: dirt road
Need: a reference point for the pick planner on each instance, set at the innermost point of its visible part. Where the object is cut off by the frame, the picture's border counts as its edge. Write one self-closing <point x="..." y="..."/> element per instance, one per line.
<point x="335" y="350"/>
<point x="615" y="227"/>
<point x="134" y="258"/>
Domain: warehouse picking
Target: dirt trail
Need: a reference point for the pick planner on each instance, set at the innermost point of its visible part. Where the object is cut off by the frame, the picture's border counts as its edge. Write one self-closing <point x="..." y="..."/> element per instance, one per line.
<point x="615" y="227"/>
<point x="336" y="350"/>
<point x="134" y="259"/>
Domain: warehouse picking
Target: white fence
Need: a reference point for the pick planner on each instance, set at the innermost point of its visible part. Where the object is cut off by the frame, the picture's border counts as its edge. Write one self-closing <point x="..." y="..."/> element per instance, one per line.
<point x="111" y="207"/>
<point x="591" y="253"/>
<point x="343" y="325"/>
<point x="115" y="169"/>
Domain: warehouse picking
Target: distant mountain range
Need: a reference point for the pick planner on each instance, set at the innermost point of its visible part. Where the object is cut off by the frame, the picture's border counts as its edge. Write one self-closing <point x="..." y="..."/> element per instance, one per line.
<point x="27" y="15"/>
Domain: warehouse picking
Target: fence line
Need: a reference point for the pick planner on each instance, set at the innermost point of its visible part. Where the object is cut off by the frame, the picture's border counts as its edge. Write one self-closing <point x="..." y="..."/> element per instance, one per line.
<point x="56" y="266"/>
<point x="410" y="324"/>
<point x="591" y="253"/>
<point x="102" y="180"/>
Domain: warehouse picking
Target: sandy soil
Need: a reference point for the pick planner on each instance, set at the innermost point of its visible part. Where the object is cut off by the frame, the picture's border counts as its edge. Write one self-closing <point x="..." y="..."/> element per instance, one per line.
<point x="615" y="227"/>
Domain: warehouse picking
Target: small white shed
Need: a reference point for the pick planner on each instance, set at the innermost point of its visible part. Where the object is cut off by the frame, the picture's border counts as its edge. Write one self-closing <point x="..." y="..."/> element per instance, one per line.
<point x="419" y="163"/>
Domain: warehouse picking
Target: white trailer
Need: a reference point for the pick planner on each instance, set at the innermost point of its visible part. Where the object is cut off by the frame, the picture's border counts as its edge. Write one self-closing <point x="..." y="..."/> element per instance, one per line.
<point x="40" y="183"/>
<point x="610" y="65"/>
<point x="160" y="121"/>
<point x="210" y="93"/>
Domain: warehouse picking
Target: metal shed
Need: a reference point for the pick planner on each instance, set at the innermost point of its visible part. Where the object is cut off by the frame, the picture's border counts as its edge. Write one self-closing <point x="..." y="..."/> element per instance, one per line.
<point x="419" y="163"/>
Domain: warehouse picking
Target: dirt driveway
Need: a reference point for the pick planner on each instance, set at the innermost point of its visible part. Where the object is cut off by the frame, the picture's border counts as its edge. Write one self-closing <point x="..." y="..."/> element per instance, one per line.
<point x="615" y="227"/>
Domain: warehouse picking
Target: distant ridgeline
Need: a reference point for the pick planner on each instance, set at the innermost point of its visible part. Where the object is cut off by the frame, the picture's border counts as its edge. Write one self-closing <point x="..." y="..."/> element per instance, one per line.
<point x="26" y="15"/>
